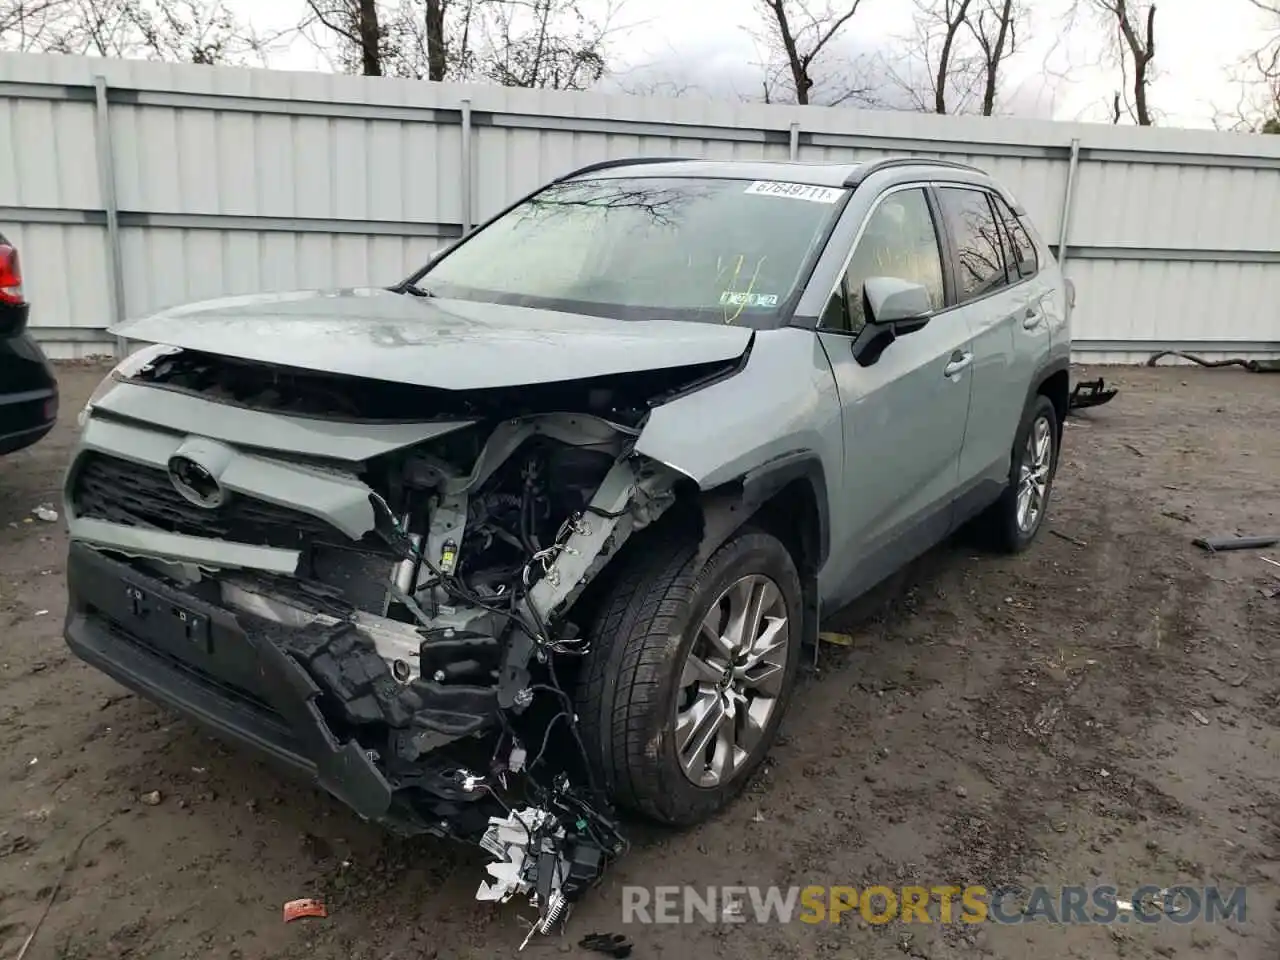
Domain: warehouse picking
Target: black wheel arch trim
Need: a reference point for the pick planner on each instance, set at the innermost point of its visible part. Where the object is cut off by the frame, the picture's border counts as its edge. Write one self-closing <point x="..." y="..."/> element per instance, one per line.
<point x="728" y="506"/>
<point x="1042" y="374"/>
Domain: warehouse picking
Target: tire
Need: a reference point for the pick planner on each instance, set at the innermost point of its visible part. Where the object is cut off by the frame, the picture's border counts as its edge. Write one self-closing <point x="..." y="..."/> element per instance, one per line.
<point x="631" y="686"/>
<point x="1006" y="527"/>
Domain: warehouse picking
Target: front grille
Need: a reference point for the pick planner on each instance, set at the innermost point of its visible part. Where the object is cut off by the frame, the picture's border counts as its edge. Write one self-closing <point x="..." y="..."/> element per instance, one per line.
<point x="108" y="488"/>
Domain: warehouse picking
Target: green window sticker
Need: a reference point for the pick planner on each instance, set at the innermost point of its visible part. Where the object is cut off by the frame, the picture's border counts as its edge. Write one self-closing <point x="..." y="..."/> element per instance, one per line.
<point x="731" y="299"/>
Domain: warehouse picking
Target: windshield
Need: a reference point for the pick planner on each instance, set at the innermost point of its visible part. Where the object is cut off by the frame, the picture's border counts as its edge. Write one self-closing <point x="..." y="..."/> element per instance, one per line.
<point x="719" y="251"/>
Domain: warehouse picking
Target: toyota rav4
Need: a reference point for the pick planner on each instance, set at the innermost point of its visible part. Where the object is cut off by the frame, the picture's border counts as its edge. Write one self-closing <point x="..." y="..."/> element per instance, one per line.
<point x="541" y="530"/>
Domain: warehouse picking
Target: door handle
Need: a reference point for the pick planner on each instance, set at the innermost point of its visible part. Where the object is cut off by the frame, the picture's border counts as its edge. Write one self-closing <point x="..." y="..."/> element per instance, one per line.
<point x="1031" y="319"/>
<point x="959" y="361"/>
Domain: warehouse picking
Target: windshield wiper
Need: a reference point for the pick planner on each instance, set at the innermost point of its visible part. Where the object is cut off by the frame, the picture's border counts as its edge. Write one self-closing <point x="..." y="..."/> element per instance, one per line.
<point x="414" y="289"/>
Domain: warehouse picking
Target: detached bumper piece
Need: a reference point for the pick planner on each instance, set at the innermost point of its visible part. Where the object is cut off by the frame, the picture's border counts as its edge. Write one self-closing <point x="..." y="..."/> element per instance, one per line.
<point x="1091" y="393"/>
<point x="255" y="682"/>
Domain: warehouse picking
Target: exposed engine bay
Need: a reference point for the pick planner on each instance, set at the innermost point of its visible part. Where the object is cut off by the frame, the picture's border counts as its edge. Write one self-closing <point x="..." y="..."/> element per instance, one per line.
<point x="434" y="599"/>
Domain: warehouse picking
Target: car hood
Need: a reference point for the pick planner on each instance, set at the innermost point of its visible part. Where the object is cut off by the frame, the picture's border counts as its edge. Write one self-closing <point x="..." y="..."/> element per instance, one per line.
<point x="450" y="344"/>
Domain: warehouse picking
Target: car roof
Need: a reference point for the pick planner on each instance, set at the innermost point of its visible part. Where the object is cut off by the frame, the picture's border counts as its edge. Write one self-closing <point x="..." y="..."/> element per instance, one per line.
<point x="823" y="174"/>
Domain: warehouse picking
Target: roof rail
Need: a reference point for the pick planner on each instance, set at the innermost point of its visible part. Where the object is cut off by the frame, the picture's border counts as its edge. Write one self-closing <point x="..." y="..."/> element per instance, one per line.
<point x="888" y="163"/>
<point x="619" y="162"/>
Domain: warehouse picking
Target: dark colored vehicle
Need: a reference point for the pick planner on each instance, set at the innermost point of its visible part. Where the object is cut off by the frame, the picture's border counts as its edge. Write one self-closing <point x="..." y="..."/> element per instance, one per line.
<point x="28" y="388"/>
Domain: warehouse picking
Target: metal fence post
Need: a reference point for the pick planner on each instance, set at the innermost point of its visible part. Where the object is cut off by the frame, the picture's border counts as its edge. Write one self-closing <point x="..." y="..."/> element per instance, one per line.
<point x="466" y="166"/>
<point x="107" y="184"/>
<point x="795" y="140"/>
<point x="1068" y="205"/>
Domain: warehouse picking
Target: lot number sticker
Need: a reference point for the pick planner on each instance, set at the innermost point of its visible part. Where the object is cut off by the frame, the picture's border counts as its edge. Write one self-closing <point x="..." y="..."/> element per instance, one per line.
<point x="794" y="191"/>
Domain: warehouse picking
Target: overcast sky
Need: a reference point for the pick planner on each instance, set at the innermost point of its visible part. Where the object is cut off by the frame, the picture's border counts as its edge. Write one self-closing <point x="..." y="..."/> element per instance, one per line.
<point x="706" y="45"/>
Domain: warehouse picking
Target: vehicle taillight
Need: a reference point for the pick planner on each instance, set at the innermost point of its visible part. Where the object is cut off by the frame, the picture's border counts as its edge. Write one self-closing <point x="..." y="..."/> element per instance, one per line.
<point x="10" y="275"/>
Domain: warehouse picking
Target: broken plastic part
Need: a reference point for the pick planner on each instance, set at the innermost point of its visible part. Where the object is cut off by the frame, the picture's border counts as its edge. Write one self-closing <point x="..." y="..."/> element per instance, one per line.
<point x="306" y="907"/>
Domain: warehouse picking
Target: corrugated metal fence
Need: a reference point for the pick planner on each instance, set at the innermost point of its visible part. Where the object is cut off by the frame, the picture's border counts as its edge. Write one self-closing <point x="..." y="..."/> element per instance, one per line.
<point x="132" y="186"/>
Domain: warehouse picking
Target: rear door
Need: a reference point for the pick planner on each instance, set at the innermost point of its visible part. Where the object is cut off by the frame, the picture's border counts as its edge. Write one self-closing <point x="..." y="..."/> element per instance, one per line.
<point x="993" y="306"/>
<point x="904" y="415"/>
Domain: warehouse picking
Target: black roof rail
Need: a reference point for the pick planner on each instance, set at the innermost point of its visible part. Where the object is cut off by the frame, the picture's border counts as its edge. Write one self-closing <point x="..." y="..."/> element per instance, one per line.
<point x="888" y="163"/>
<point x="619" y="162"/>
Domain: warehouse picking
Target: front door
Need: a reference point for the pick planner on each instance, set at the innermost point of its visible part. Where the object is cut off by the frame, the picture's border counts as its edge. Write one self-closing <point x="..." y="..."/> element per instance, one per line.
<point x="904" y="414"/>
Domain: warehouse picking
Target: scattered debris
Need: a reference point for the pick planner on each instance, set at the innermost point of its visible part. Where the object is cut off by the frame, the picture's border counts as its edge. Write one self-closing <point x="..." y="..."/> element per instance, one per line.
<point x="1175" y="515"/>
<point x="46" y="513"/>
<point x="57" y="888"/>
<point x="1132" y="449"/>
<point x="1253" y="366"/>
<point x="1274" y="563"/>
<point x="305" y="907"/>
<point x="1220" y="544"/>
<point x="42" y="613"/>
<point x="151" y="799"/>
<point x="610" y="944"/>
<point x="961" y="791"/>
<point x="839" y="639"/>
<point x="1070" y="539"/>
<point x="758" y="818"/>
<point x="1091" y="393"/>
<point x="1200" y="717"/>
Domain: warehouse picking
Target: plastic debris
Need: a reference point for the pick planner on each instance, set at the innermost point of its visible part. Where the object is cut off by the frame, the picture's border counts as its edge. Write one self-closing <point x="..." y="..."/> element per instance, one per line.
<point x="46" y="513"/>
<point x="306" y="907"/>
<point x="839" y="639"/>
<point x="151" y="799"/>
<point x="610" y="944"/>
<point x="1200" y="717"/>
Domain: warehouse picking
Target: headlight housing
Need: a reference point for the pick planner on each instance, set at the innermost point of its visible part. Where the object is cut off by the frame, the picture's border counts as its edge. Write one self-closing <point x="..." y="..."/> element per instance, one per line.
<point x="130" y="366"/>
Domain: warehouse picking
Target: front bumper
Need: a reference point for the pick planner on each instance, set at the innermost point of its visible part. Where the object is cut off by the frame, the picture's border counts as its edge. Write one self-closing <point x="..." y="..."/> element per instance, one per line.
<point x="213" y="666"/>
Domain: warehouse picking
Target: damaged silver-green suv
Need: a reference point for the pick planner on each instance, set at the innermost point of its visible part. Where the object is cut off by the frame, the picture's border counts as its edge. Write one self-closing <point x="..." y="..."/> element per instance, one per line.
<point x="541" y="530"/>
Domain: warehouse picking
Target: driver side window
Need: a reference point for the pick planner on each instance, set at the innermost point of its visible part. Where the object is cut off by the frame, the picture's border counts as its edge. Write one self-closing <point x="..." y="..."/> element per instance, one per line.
<point x="900" y="241"/>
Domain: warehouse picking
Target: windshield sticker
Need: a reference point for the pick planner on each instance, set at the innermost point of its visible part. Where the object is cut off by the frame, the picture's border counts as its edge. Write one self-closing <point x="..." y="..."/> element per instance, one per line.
<point x="731" y="299"/>
<point x="795" y="191"/>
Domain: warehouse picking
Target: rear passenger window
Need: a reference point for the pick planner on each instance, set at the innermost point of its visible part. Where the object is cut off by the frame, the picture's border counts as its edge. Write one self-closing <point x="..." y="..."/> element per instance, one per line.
<point x="978" y="240"/>
<point x="1025" y="262"/>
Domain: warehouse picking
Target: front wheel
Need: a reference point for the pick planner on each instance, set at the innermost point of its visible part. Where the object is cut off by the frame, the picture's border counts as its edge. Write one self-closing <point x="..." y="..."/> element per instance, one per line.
<point x="1014" y="520"/>
<point x="689" y="673"/>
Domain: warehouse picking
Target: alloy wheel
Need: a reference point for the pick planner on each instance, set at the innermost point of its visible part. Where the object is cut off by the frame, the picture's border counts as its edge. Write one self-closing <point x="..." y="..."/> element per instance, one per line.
<point x="731" y="680"/>
<point x="1033" y="475"/>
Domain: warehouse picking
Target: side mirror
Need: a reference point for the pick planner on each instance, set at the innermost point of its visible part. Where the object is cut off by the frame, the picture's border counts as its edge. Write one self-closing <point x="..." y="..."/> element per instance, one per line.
<point x="893" y="308"/>
<point x="890" y="300"/>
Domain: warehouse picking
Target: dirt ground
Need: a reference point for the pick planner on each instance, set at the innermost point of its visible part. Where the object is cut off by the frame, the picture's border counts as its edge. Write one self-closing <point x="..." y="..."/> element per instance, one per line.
<point x="1102" y="709"/>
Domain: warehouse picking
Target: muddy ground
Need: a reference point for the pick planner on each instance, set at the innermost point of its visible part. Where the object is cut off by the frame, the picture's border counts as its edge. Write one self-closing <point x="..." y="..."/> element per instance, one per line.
<point x="1102" y="709"/>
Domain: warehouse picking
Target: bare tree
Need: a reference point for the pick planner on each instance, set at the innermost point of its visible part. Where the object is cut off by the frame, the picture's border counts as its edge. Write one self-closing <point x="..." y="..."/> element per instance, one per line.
<point x="551" y="44"/>
<point x="936" y="68"/>
<point x="357" y="24"/>
<point x="951" y="15"/>
<point x="1134" y="48"/>
<point x="193" y="31"/>
<point x="800" y="33"/>
<point x="22" y="22"/>
<point x="522" y="43"/>
<point x="1263" y="76"/>
<point x="995" y="27"/>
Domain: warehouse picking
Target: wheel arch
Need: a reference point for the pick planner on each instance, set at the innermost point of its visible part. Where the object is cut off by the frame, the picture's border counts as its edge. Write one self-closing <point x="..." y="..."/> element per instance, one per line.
<point x="1053" y="380"/>
<point x="786" y="497"/>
